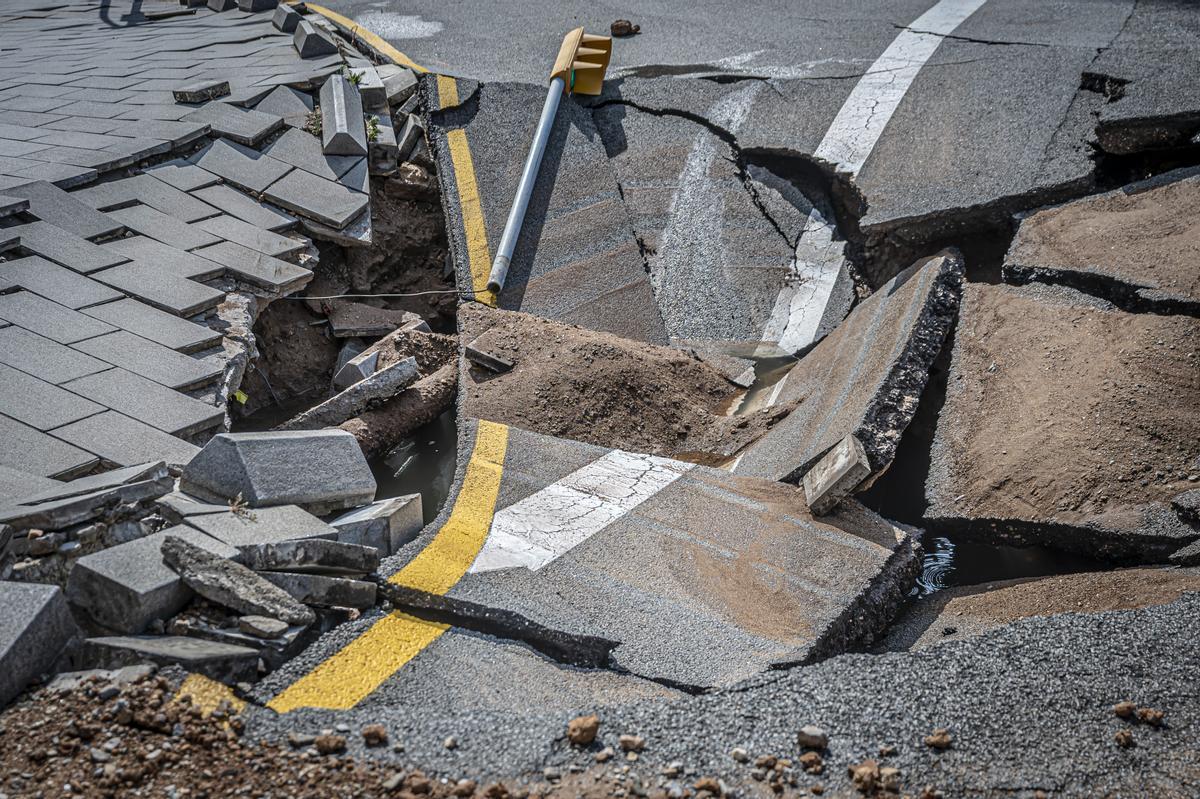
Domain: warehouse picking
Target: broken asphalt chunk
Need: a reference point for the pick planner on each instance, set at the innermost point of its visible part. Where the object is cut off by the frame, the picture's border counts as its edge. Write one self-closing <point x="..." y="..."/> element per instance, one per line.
<point x="311" y="555"/>
<point x="322" y="470"/>
<point x="324" y="591"/>
<point x="866" y="377"/>
<point x="230" y="584"/>
<point x="222" y="662"/>
<point x="1067" y="423"/>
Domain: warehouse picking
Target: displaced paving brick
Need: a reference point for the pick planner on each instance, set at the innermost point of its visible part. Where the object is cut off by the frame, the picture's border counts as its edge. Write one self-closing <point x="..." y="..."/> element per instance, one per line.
<point x="317" y="198"/>
<point x="150" y="359"/>
<point x="864" y="378"/>
<point x="35" y="628"/>
<point x="258" y="268"/>
<point x="291" y="104"/>
<point x="242" y="125"/>
<point x="147" y="401"/>
<point x="41" y="357"/>
<point x="303" y="151"/>
<point x="836" y="475"/>
<point x="255" y="6"/>
<point x="1126" y="246"/>
<point x="16" y="484"/>
<point x="54" y="282"/>
<point x="150" y="323"/>
<point x="200" y="91"/>
<point x="264" y="241"/>
<point x="323" y="591"/>
<point x="312" y="555"/>
<point x="165" y="258"/>
<point x="163" y="227"/>
<point x="121" y="440"/>
<point x="383" y="154"/>
<point x="22" y="447"/>
<point x="218" y="661"/>
<point x="241" y="166"/>
<point x="311" y="41"/>
<point x="285" y="19"/>
<point x="55" y="244"/>
<point x="246" y="208"/>
<point x="399" y="82"/>
<point x="370" y="86"/>
<point x="322" y="470"/>
<point x="171" y="293"/>
<point x="182" y="175"/>
<point x="12" y="205"/>
<point x="39" y="404"/>
<point x="1009" y="465"/>
<point x="147" y="191"/>
<point x="343" y="131"/>
<point x="49" y="319"/>
<point x="127" y="586"/>
<point x="262" y="526"/>
<point x="385" y="525"/>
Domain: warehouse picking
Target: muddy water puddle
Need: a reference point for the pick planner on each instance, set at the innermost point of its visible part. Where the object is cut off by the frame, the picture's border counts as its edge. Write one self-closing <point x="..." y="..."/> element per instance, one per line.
<point x="950" y="562"/>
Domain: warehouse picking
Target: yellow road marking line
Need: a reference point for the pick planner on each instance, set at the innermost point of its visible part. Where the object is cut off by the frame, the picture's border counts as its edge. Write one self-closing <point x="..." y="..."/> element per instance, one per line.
<point x="347" y="677"/>
<point x="367" y="36"/>
<point x="208" y="694"/>
<point x="479" y="257"/>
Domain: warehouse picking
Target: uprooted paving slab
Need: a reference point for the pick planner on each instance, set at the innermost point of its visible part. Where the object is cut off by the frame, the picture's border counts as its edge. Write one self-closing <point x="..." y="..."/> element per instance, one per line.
<point x="1009" y="465"/>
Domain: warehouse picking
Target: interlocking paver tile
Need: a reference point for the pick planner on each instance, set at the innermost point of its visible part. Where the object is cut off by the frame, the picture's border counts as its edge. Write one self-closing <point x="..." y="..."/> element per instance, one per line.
<point x="51" y="204"/>
<point x="245" y="208"/>
<point x="22" y="447"/>
<point x="163" y="227"/>
<point x="143" y="399"/>
<point x="245" y="126"/>
<point x="148" y="191"/>
<point x="241" y="166"/>
<point x="150" y="359"/>
<point x="165" y="258"/>
<point x="41" y="405"/>
<point x="41" y="357"/>
<point x="182" y="175"/>
<point x="151" y="323"/>
<point x="164" y="290"/>
<point x="303" y="150"/>
<point x="49" y="319"/>
<point x="317" y="198"/>
<point x="55" y="244"/>
<point x="257" y="267"/>
<point x="265" y="241"/>
<point x="124" y="441"/>
<point x="54" y="282"/>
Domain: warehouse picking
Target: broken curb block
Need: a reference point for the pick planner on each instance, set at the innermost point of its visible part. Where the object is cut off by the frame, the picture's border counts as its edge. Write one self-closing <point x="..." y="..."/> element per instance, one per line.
<point x="1126" y="246"/>
<point x="230" y="584"/>
<point x="398" y="82"/>
<point x="286" y="18"/>
<point x="1067" y="423"/>
<point x="222" y="5"/>
<point x="255" y="6"/>
<point x="363" y="395"/>
<point x="370" y="87"/>
<point x="383" y="154"/>
<point x="411" y="134"/>
<point x="360" y="367"/>
<point x="312" y="42"/>
<point x="385" y="525"/>
<point x="88" y="497"/>
<point x="343" y="130"/>
<point x="124" y="588"/>
<point x="836" y="475"/>
<point x="311" y="555"/>
<point x="222" y="662"/>
<point x="262" y="526"/>
<point x="866" y="377"/>
<point x="321" y="470"/>
<point x="262" y="626"/>
<point x="493" y="363"/>
<point x="323" y="591"/>
<point x="35" y="627"/>
<point x="201" y="92"/>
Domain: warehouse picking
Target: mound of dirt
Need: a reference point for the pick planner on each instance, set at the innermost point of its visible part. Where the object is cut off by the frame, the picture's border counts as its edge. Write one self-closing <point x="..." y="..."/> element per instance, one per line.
<point x="603" y="389"/>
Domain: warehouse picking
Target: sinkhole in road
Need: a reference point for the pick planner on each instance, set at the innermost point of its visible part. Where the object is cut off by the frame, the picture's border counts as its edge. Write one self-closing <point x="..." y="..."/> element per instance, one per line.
<point x="422" y="464"/>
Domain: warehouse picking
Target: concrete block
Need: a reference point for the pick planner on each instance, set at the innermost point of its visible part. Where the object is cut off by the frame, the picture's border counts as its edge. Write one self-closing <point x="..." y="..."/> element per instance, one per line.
<point x="23" y="447"/>
<point x="255" y="6"/>
<point x="222" y="662"/>
<point x="313" y="555"/>
<point x="262" y="526"/>
<point x="370" y="86"/>
<point x="343" y="131"/>
<point x="222" y="5"/>
<point x="170" y="293"/>
<point x="363" y="395"/>
<point x="163" y="227"/>
<point x="124" y="588"/>
<point x="301" y="149"/>
<point x="357" y="319"/>
<point x="151" y="323"/>
<point x="323" y="591"/>
<point x="201" y="91"/>
<point x="58" y="245"/>
<point x="311" y="41"/>
<point x="359" y="367"/>
<point x="41" y="357"/>
<point x="257" y="267"/>
<point x="385" y="525"/>
<point x="412" y="133"/>
<point x="264" y="241"/>
<point x="55" y="283"/>
<point x="35" y="627"/>
<point x="242" y="125"/>
<point x="286" y="18"/>
<point x="51" y="204"/>
<point x="399" y="83"/>
<point x="58" y="514"/>
<point x="150" y="359"/>
<point x="247" y="209"/>
<point x="18" y="483"/>
<point x="148" y="401"/>
<point x="243" y="167"/>
<point x="39" y="404"/>
<point x="46" y="318"/>
<point x="321" y="469"/>
<point x="835" y="475"/>
<point x="165" y="258"/>
<point x="325" y="201"/>
<point x="383" y="154"/>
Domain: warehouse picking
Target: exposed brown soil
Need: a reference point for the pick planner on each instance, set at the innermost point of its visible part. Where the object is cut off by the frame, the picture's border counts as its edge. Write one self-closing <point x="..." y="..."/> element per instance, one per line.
<point x="296" y="355"/>
<point x="603" y="389"/>
<point x="1148" y="238"/>
<point x="1059" y="409"/>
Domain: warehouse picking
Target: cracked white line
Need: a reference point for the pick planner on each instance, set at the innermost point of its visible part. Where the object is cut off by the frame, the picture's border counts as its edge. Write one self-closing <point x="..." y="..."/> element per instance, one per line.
<point x="800" y="306"/>
<point x="548" y="523"/>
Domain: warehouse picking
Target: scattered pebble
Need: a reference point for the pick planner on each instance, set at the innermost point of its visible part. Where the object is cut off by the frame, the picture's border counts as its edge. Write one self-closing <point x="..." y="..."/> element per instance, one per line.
<point x="465" y="787"/>
<point x="450" y="743"/>
<point x="812" y="763"/>
<point x="624" y="27"/>
<point x="939" y="739"/>
<point x="865" y="776"/>
<point x="1124" y="738"/>
<point x="632" y="743"/>
<point x="887" y="750"/>
<point x="582" y="730"/>
<point x="551" y="774"/>
<point x="604" y="755"/>
<point x="812" y="737"/>
<point x="1150" y="716"/>
<point x="1124" y="710"/>
<point x="709" y="785"/>
<point x="739" y="754"/>
<point x="375" y="735"/>
<point x="329" y="744"/>
<point x="929" y="792"/>
<point x="889" y="779"/>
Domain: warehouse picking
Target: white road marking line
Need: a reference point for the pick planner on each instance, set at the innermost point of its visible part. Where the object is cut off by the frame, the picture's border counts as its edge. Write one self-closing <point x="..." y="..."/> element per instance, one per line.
<point x="848" y="143"/>
<point x="536" y="530"/>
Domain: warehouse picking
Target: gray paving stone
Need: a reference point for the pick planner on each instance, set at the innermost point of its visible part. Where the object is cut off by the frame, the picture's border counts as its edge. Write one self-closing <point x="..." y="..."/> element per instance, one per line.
<point x="82" y="140"/>
<point x="147" y="401"/>
<point x="171" y="293"/>
<point x="323" y="591"/>
<point x="148" y="191"/>
<point x="9" y="240"/>
<point x="412" y="132"/>
<point x="201" y="91"/>
<point x="12" y="205"/>
<point x="384" y="152"/>
<point x="245" y="126"/>
<point x="35" y="628"/>
<point x="126" y="587"/>
<point x="174" y="133"/>
<point x="51" y="204"/>
<point x="322" y="470"/>
<point x="182" y="175"/>
<point x="54" y="282"/>
<point x="262" y="526"/>
<point x="93" y="484"/>
<point x="284" y="101"/>
<point x="165" y="258"/>
<point x="16" y="149"/>
<point x="255" y="6"/>
<point x="183" y="506"/>
<point x="150" y="323"/>
<point x="64" y="176"/>
<point x="264" y="241"/>
<point x="48" y="318"/>
<point x="170" y="113"/>
<point x="286" y="18"/>
<point x="41" y="357"/>
<point x="258" y="268"/>
<point x="323" y="200"/>
<point x="310" y="41"/>
<point x="385" y="525"/>
<point x="19" y="132"/>
<point x="303" y="150"/>
<point x="246" y="208"/>
<point x="41" y="405"/>
<point x="370" y="87"/>
<point x="241" y="166"/>
<point x="118" y="439"/>
<point x="343" y="131"/>
<point x="163" y="227"/>
<point x="22" y="447"/>
<point x="17" y="483"/>
<point x="151" y="359"/>
<point x="55" y="244"/>
<point x="219" y="661"/>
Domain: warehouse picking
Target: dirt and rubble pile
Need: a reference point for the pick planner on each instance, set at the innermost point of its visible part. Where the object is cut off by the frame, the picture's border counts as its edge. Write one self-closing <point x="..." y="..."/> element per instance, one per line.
<point x="603" y="389"/>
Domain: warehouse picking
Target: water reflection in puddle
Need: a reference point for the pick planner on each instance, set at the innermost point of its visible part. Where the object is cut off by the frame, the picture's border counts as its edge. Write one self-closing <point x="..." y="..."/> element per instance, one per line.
<point x="423" y="464"/>
<point x="949" y="562"/>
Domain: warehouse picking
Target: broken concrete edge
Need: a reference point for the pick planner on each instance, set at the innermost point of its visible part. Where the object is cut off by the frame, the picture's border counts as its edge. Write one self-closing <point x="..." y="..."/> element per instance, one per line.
<point x="56" y="515"/>
<point x="361" y="396"/>
<point x="1138" y="135"/>
<point x="1126" y="296"/>
<point x="836" y="475"/>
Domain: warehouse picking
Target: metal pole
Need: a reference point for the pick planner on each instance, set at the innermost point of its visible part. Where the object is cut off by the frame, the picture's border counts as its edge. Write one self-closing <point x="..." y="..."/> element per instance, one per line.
<point x="516" y="215"/>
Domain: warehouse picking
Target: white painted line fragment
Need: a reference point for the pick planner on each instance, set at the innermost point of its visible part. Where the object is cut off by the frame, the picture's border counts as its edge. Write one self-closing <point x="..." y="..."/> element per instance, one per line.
<point x="536" y="530"/>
